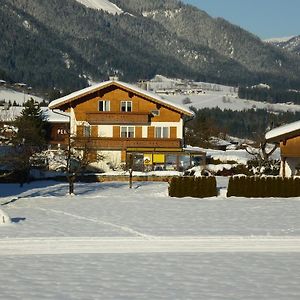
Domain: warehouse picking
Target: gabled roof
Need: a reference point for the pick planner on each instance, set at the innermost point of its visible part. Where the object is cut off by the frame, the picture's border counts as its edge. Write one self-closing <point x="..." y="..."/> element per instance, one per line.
<point x="129" y="87"/>
<point x="283" y="132"/>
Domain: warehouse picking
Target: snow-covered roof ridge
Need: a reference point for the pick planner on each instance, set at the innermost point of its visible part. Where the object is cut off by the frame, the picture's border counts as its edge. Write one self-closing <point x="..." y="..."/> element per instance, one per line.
<point x="91" y="89"/>
<point x="283" y="132"/>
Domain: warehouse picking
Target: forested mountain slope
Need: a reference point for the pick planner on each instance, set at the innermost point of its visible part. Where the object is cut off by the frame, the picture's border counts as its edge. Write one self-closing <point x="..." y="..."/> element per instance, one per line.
<point x="63" y="44"/>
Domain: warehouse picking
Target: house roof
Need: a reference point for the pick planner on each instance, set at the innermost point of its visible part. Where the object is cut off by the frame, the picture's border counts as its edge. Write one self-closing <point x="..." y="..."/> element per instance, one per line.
<point x="129" y="87"/>
<point x="283" y="132"/>
<point x="10" y="114"/>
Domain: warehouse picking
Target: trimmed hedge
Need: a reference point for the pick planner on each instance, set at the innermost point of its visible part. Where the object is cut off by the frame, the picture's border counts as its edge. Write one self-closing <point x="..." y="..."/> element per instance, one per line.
<point x="263" y="187"/>
<point x="197" y="187"/>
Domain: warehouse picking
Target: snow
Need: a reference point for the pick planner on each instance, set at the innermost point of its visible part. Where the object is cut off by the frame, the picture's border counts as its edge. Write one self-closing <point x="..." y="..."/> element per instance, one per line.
<point x="220" y="99"/>
<point x="19" y="97"/>
<point x="279" y="39"/>
<point x="4" y="219"/>
<point x="209" y="95"/>
<point x="66" y="99"/>
<point x="279" y="132"/>
<point x="112" y="242"/>
<point x="102" y="5"/>
<point x="13" y="112"/>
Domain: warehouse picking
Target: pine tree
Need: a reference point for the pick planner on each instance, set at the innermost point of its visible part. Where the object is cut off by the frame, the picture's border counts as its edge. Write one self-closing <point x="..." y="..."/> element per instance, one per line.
<point x="28" y="140"/>
<point x="31" y="127"/>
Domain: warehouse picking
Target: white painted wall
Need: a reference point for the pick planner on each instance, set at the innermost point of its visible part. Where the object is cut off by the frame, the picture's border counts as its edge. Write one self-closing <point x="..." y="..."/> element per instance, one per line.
<point x="290" y="166"/>
<point x="73" y="121"/>
<point x="105" y="131"/>
<point x="144" y="131"/>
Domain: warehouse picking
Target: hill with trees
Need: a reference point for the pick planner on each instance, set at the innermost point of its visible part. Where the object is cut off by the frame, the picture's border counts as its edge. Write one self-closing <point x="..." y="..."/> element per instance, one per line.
<point x="65" y="45"/>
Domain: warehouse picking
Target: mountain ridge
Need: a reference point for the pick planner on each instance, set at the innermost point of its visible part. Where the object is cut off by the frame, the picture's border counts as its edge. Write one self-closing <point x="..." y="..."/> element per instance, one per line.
<point x="291" y="44"/>
<point x="64" y="44"/>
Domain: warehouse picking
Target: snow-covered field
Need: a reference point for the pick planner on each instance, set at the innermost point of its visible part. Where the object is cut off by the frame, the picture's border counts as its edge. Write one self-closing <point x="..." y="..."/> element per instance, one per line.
<point x="110" y="242"/>
<point x="15" y="96"/>
<point x="213" y="99"/>
<point x="102" y="5"/>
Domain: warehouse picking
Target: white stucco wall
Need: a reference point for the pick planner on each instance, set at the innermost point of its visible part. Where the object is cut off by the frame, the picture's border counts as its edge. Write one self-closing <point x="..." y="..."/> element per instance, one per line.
<point x="105" y="131"/>
<point x="290" y="166"/>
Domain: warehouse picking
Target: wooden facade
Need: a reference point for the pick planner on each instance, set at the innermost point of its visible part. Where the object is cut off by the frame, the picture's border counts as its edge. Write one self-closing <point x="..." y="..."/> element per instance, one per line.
<point x="290" y="147"/>
<point x="59" y="134"/>
<point x="116" y="116"/>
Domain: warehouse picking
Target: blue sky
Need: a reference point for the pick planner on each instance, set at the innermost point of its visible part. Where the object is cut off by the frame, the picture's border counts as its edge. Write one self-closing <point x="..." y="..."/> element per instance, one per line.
<point x="265" y="18"/>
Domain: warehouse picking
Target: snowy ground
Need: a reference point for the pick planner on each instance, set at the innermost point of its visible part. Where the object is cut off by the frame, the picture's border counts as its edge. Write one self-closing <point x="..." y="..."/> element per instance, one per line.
<point x="18" y="97"/>
<point x="110" y="242"/>
<point x="231" y="102"/>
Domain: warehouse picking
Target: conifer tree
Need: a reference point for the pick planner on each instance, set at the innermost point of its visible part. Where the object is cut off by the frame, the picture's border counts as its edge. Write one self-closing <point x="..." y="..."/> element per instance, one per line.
<point x="28" y="140"/>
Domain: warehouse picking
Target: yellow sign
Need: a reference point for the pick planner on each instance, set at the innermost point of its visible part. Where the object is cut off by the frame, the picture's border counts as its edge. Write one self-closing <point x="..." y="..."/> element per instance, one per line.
<point x="148" y="159"/>
<point x="159" y="158"/>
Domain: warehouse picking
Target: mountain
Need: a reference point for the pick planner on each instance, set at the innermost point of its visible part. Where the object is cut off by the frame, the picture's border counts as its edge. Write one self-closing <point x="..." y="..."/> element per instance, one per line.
<point x="68" y="43"/>
<point x="291" y="44"/>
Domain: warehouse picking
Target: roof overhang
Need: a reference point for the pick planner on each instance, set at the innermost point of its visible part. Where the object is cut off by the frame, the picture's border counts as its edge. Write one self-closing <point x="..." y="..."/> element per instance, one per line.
<point x="56" y="104"/>
<point x="283" y="133"/>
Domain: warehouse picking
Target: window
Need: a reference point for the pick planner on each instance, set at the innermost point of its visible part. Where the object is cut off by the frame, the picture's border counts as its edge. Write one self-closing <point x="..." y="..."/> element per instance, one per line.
<point x="127" y="132"/>
<point x="87" y="131"/>
<point x="104" y="105"/>
<point x="126" y="106"/>
<point x="162" y="132"/>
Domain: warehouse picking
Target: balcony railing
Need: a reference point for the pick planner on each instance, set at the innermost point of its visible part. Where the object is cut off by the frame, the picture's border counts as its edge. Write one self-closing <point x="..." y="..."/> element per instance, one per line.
<point x="96" y="118"/>
<point x="123" y="143"/>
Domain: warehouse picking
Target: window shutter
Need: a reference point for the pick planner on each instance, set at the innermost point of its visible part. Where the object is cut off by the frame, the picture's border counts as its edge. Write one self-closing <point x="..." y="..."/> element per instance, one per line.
<point x="94" y="131"/>
<point x="80" y="131"/>
<point x="116" y="131"/>
<point x="173" y="132"/>
<point x="151" y="132"/>
<point x="138" y="132"/>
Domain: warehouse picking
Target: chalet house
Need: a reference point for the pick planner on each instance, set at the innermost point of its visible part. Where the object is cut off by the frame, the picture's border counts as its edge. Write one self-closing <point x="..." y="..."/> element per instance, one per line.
<point x="288" y="136"/>
<point x="125" y="123"/>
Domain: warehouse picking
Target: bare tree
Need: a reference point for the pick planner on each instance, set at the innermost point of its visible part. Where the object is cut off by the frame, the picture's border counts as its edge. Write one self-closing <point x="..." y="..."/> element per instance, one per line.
<point x="261" y="152"/>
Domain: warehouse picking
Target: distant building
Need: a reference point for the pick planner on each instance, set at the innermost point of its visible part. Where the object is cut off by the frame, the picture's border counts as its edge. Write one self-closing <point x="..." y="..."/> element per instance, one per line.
<point x="288" y="136"/>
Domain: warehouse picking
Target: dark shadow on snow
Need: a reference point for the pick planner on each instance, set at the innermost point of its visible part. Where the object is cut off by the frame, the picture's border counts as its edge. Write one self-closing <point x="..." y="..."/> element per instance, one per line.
<point x="17" y="220"/>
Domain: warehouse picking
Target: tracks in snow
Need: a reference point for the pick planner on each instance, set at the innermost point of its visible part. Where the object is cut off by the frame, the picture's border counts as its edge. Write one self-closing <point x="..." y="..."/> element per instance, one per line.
<point x="59" y="246"/>
<point x="97" y="221"/>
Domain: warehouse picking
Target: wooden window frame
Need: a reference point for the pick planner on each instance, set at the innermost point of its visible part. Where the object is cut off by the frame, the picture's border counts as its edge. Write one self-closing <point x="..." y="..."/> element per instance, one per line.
<point x="127" y="132"/>
<point x="87" y="130"/>
<point x="104" y="103"/>
<point x="162" y="132"/>
<point x="126" y="106"/>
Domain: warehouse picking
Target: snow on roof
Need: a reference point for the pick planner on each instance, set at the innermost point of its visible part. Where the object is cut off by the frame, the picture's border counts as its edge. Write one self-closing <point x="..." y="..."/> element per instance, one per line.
<point x="283" y="132"/>
<point x="10" y="114"/>
<point x="154" y="97"/>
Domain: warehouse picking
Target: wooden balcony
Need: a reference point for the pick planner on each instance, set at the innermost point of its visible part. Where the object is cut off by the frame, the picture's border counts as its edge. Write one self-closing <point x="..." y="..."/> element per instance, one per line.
<point x="98" y="118"/>
<point x="124" y="143"/>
